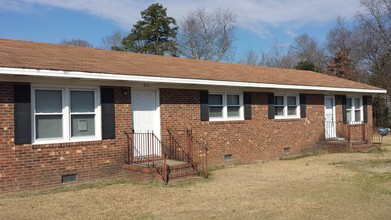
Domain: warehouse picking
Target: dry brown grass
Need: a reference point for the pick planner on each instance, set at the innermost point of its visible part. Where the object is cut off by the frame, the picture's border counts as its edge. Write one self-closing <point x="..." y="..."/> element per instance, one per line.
<point x="327" y="186"/>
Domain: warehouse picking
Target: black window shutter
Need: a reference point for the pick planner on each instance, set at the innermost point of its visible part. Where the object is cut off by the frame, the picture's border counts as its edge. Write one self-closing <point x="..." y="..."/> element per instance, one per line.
<point x="303" y="106"/>
<point x="344" y="113"/>
<point x="108" y="113"/>
<point x="247" y="105"/>
<point x="270" y="101"/>
<point x="365" y="106"/>
<point x="204" y="101"/>
<point x="22" y="114"/>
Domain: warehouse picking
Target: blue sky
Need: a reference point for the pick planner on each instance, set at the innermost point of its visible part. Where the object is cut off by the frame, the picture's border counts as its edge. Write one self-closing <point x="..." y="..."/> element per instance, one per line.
<point x="261" y="22"/>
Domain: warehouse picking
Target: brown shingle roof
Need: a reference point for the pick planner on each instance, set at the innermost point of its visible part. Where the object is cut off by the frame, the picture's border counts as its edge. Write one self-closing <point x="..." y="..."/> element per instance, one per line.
<point x="32" y="55"/>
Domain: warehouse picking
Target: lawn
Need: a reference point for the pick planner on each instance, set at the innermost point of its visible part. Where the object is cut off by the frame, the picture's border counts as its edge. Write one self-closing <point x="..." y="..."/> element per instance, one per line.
<point x="323" y="186"/>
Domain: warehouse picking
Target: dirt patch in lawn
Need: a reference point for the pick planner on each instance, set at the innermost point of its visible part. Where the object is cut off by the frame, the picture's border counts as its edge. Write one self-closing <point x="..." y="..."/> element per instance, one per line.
<point x="327" y="186"/>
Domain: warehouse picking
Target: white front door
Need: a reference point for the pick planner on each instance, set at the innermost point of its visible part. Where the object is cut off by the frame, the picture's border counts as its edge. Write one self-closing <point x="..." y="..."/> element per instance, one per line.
<point x="329" y="111"/>
<point x="146" y="119"/>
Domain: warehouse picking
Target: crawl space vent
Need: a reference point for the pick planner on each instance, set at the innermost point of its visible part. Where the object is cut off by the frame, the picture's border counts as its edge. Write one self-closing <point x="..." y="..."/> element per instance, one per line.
<point x="68" y="178"/>
<point x="228" y="157"/>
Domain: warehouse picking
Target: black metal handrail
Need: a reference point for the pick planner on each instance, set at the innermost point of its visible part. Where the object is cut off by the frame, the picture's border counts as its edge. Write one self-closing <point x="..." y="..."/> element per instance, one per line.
<point x="146" y="149"/>
<point x="184" y="147"/>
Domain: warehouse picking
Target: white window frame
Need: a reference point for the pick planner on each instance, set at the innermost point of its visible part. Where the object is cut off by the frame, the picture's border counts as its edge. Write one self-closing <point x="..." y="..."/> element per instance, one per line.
<point x="66" y="113"/>
<point x="353" y="110"/>
<point x="285" y="110"/>
<point x="225" y="107"/>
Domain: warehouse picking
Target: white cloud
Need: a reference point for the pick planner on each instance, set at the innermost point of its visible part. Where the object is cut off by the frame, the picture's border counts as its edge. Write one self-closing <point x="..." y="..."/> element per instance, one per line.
<point x="253" y="15"/>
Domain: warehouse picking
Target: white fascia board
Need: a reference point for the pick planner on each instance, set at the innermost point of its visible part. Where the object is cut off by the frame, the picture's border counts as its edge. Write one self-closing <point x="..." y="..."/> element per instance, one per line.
<point x="154" y="79"/>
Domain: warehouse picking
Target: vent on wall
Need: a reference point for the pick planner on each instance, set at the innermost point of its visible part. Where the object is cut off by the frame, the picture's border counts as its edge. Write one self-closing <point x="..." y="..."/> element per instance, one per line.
<point x="228" y="157"/>
<point x="287" y="150"/>
<point x="68" y="178"/>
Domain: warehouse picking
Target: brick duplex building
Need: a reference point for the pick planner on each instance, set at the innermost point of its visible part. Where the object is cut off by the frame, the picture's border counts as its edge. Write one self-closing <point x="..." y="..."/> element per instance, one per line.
<point x="73" y="114"/>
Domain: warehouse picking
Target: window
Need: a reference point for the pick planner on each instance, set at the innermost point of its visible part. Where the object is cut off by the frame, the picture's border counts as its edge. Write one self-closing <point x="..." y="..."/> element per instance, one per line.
<point x="286" y="106"/>
<point x="225" y="106"/>
<point x="48" y="113"/>
<point x="216" y="106"/>
<point x="65" y="114"/>
<point x="354" y="109"/>
<point x="233" y="106"/>
<point x="279" y="105"/>
<point x="82" y="113"/>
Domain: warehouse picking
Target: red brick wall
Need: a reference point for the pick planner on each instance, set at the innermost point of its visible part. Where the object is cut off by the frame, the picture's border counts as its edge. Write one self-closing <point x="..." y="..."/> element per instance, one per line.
<point x="257" y="139"/>
<point x="356" y="132"/>
<point x="25" y="167"/>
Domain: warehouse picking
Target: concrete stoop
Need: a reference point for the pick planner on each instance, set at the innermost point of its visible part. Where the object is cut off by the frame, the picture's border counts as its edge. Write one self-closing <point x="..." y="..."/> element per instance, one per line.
<point x="178" y="172"/>
<point x="334" y="146"/>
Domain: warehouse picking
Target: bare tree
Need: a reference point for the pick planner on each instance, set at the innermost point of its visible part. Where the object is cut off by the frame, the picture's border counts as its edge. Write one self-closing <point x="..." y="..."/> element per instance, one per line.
<point x="113" y="40"/>
<point x="307" y="49"/>
<point x="346" y="43"/>
<point x="375" y="32"/>
<point x="208" y="35"/>
<point x="77" y="42"/>
<point x="276" y="57"/>
<point x="340" y="38"/>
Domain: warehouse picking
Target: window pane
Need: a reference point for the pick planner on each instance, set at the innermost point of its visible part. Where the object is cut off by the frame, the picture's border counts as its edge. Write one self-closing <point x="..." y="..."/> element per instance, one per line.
<point x="48" y="101"/>
<point x="348" y="103"/>
<point x="357" y="103"/>
<point x="349" y="116"/>
<point x="48" y="126"/>
<point x="232" y="99"/>
<point x="215" y="100"/>
<point x="279" y="110"/>
<point x="291" y="100"/>
<point x="82" y="101"/>
<point x="233" y="111"/>
<point x="357" y="115"/>
<point x="279" y="100"/>
<point x="83" y="125"/>
<point x="292" y="110"/>
<point x="215" y="112"/>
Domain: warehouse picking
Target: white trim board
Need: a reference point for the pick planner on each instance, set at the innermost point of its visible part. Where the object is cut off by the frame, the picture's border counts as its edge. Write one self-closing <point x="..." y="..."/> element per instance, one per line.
<point x="153" y="79"/>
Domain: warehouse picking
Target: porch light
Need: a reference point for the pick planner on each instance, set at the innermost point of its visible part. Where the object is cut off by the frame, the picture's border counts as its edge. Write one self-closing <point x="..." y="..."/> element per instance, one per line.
<point x="125" y="92"/>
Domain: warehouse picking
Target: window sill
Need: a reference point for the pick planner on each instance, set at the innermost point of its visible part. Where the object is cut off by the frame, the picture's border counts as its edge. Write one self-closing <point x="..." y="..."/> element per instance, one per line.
<point x="286" y="119"/>
<point x="227" y="122"/>
<point x="355" y="123"/>
<point x="77" y="142"/>
<point x="226" y="119"/>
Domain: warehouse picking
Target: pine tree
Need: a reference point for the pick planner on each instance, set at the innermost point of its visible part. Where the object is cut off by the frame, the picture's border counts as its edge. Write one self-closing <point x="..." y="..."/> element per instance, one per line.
<point x="155" y="34"/>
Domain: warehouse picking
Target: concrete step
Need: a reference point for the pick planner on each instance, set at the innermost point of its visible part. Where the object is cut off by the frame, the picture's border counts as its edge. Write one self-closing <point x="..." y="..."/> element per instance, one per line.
<point x="180" y="171"/>
<point x="335" y="146"/>
<point x="362" y="148"/>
